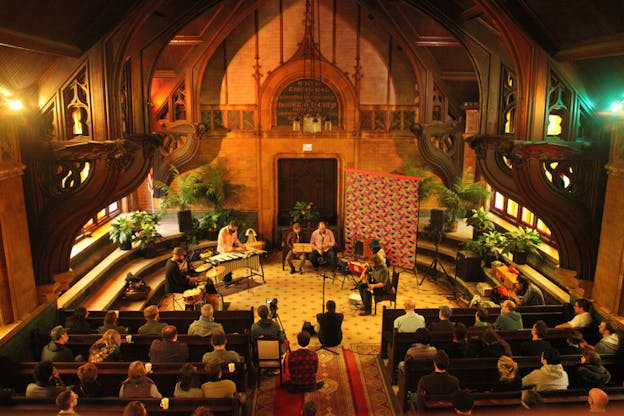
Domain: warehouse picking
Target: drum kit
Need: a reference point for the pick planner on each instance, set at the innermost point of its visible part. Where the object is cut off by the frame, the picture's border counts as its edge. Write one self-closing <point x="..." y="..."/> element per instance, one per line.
<point x="197" y="296"/>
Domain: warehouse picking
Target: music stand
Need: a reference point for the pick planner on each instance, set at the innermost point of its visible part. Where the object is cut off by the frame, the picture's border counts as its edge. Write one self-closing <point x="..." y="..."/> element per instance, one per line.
<point x="323" y="347"/>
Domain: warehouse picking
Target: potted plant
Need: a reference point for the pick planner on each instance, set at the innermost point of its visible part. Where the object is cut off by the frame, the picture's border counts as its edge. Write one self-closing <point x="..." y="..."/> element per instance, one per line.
<point x="490" y="246"/>
<point x="480" y="222"/>
<point x="214" y="187"/>
<point x="121" y="232"/>
<point x="304" y="211"/>
<point x="522" y="242"/>
<point x="209" y="225"/>
<point x="145" y="232"/>
<point x="188" y="192"/>
<point x="461" y="197"/>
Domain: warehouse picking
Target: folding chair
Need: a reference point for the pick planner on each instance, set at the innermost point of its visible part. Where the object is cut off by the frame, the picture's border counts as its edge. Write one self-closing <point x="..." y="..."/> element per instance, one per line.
<point x="268" y="356"/>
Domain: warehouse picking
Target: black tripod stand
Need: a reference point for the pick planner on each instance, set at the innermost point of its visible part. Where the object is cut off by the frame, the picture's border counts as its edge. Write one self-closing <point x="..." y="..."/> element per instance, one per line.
<point x="323" y="347"/>
<point x="432" y="270"/>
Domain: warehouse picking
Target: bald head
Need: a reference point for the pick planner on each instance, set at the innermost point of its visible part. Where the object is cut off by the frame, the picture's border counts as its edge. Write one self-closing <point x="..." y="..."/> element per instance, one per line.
<point x="409" y="305"/>
<point x="207" y="310"/>
<point x="597" y="400"/>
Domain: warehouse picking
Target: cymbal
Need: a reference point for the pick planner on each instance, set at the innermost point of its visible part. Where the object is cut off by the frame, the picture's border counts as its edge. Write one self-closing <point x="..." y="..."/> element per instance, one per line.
<point x="215" y="271"/>
<point x="203" y="268"/>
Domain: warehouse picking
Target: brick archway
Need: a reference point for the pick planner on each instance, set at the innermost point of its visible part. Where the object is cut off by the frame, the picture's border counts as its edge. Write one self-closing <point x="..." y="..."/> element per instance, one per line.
<point x="292" y="71"/>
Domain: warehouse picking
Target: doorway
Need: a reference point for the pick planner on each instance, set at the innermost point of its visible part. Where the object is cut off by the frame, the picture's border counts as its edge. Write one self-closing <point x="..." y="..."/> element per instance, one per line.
<point x="313" y="180"/>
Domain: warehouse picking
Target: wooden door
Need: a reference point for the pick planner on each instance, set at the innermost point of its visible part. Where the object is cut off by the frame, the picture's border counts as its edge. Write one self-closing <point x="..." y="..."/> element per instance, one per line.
<point x="313" y="180"/>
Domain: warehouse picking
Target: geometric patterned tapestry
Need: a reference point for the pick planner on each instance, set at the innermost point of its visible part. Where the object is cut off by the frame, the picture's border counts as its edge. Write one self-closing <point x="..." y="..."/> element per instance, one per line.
<point x="385" y="207"/>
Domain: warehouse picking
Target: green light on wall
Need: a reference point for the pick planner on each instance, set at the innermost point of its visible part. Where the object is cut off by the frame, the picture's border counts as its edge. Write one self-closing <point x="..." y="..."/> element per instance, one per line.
<point x="616" y="106"/>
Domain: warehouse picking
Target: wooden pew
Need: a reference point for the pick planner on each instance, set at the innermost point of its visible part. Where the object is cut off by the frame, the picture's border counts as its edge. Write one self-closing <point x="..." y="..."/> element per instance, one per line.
<point x="400" y="342"/>
<point x="20" y="405"/>
<point x="110" y="375"/>
<point x="482" y="373"/>
<point x="551" y="314"/>
<point x="232" y="321"/>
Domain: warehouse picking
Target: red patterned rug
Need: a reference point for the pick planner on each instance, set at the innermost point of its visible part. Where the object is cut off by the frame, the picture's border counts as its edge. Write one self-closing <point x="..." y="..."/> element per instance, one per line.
<point x="353" y="385"/>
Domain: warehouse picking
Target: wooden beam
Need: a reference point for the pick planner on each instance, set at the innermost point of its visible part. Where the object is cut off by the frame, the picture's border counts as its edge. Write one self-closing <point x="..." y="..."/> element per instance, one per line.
<point x="437" y="41"/>
<point x="593" y="48"/>
<point x="458" y="76"/>
<point x="20" y="40"/>
<point x="181" y="40"/>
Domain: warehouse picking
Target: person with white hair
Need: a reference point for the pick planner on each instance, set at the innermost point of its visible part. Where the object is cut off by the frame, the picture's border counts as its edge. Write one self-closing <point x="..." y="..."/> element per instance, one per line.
<point x="205" y="325"/>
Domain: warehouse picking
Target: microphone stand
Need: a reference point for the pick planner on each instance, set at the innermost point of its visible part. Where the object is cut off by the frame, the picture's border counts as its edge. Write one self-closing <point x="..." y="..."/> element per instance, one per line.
<point x="323" y="347"/>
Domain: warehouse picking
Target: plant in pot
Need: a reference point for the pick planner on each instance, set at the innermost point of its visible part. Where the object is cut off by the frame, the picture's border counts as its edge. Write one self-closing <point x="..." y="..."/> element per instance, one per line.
<point x="522" y="242"/>
<point x="186" y="193"/>
<point x="460" y="198"/>
<point x="209" y="225"/>
<point x="304" y="212"/>
<point x="490" y="246"/>
<point x="214" y="187"/>
<point x="480" y="222"/>
<point x="121" y="232"/>
<point x="146" y="232"/>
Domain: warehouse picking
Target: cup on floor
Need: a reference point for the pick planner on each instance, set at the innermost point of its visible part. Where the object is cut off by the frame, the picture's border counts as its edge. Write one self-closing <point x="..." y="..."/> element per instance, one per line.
<point x="148" y="367"/>
<point x="164" y="403"/>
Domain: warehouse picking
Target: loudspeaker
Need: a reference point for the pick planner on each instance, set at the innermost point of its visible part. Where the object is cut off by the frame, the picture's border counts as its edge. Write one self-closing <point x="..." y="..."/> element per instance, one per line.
<point x="362" y="248"/>
<point x="468" y="266"/>
<point x="437" y="220"/>
<point x="185" y="221"/>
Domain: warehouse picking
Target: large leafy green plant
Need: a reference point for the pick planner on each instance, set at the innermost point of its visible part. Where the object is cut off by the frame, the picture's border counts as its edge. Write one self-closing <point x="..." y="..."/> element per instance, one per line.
<point x="462" y="196"/>
<point x="188" y="189"/>
<point x="480" y="220"/>
<point x="145" y="225"/>
<point x="121" y="232"/>
<point x="523" y="239"/>
<point x="214" y="186"/>
<point x="304" y="211"/>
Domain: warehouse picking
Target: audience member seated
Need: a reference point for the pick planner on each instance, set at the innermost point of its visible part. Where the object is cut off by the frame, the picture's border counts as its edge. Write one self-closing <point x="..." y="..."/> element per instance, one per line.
<point x="463" y="403"/>
<point x="152" y="325"/>
<point x="67" y="401"/>
<point x="530" y="399"/>
<point x="138" y="385"/>
<point x="77" y="323"/>
<point x="106" y="348"/>
<point x="56" y="350"/>
<point x="597" y="400"/>
<point x="205" y="325"/>
<point x="508" y="319"/>
<point x="215" y="388"/>
<point x="574" y="344"/>
<point x="47" y="383"/>
<point x="219" y="353"/>
<point x="444" y="324"/>
<point x="202" y="411"/>
<point x="420" y="350"/>
<point x="411" y="321"/>
<point x="493" y="345"/>
<point x="508" y="379"/>
<point x="439" y="382"/>
<point x="375" y="280"/>
<point x="610" y="341"/>
<point x="591" y="372"/>
<point x="330" y="326"/>
<point x="302" y="365"/>
<point x="525" y="293"/>
<point x="458" y="348"/>
<point x="537" y="345"/>
<point x="89" y="386"/>
<point x="481" y="318"/>
<point x="266" y="327"/>
<point x="188" y="385"/>
<point x="110" y="322"/>
<point x="135" y="408"/>
<point x="323" y="243"/>
<point x="582" y="317"/>
<point x="551" y="376"/>
<point x="168" y="350"/>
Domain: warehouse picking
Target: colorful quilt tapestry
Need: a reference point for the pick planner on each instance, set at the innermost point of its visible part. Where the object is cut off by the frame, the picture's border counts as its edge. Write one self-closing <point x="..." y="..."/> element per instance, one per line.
<point x="385" y="207"/>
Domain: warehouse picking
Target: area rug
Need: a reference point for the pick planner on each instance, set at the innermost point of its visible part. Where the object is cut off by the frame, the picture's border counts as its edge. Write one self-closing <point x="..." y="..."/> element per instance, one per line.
<point x="240" y="286"/>
<point x="353" y="386"/>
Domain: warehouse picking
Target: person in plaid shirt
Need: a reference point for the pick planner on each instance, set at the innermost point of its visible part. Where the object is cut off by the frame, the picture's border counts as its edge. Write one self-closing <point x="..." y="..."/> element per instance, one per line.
<point x="303" y="364"/>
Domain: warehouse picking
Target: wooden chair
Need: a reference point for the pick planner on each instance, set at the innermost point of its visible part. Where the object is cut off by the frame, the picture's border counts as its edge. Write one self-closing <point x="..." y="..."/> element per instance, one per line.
<point x="268" y="356"/>
<point x="393" y="293"/>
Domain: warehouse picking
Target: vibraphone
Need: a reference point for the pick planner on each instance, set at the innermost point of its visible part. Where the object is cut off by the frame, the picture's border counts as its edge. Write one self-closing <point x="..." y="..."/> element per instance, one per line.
<point x="238" y="260"/>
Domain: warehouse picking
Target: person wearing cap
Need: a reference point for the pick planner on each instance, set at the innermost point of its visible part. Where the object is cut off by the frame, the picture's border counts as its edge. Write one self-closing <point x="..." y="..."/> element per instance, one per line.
<point x="444" y="324"/>
<point x="56" y="350"/>
<point x="375" y="247"/>
<point x="177" y="274"/>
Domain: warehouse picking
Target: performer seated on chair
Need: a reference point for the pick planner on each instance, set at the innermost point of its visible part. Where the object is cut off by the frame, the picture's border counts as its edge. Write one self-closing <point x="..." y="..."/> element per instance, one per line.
<point x="294" y="237"/>
<point x="375" y="246"/>
<point x="375" y="279"/>
<point x="227" y="242"/>
<point x="323" y="243"/>
<point x="330" y="326"/>
<point x="178" y="274"/>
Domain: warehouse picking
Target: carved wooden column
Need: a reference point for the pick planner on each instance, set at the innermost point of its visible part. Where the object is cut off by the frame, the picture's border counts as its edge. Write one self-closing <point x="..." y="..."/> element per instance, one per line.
<point x="610" y="268"/>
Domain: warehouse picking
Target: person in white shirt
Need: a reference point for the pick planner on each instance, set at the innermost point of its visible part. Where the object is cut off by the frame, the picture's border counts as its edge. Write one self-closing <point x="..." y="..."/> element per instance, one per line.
<point x="582" y="318"/>
<point x="411" y="321"/>
<point x="228" y="241"/>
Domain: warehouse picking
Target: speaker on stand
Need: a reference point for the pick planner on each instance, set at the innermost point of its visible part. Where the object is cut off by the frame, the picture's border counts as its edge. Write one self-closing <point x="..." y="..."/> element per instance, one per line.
<point x="468" y="266"/>
<point x="437" y="220"/>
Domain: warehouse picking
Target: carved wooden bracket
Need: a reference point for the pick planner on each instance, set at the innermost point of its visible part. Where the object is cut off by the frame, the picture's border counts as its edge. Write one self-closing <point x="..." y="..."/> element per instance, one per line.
<point x="442" y="145"/>
<point x="560" y="182"/>
<point x="63" y="197"/>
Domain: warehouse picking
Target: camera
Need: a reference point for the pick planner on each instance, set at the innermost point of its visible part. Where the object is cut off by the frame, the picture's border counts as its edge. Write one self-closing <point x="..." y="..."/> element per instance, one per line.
<point x="272" y="308"/>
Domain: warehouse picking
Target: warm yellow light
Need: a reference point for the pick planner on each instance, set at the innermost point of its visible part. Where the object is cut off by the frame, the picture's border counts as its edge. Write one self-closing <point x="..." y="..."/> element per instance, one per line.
<point x="15" y="105"/>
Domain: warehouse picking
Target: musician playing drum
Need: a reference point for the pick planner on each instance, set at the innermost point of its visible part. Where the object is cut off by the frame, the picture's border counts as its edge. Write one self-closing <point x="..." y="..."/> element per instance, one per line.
<point x="227" y="241"/>
<point x="178" y="274"/>
<point x="375" y="279"/>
